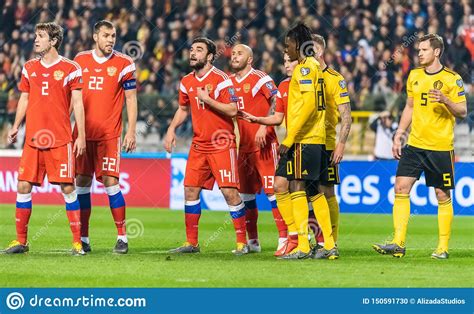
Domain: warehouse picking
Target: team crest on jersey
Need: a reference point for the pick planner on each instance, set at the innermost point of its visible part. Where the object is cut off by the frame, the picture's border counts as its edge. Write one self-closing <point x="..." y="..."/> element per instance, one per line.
<point x="246" y="88"/>
<point x="209" y="87"/>
<point x="58" y="75"/>
<point x="438" y="85"/>
<point x="111" y="71"/>
<point x="459" y="83"/>
<point x="342" y="83"/>
<point x="304" y="71"/>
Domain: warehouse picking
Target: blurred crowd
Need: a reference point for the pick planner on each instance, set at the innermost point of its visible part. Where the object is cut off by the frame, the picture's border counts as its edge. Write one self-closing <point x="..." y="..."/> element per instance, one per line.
<point x="371" y="42"/>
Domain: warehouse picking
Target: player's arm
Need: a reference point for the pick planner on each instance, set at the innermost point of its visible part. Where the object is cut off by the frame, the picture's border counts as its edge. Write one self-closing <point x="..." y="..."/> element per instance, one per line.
<point x="346" y="122"/>
<point x="401" y="134"/>
<point x="458" y="109"/>
<point x="179" y="117"/>
<point x="275" y="119"/>
<point x="129" y="141"/>
<point x="229" y="110"/>
<point x="80" y="144"/>
<point x="19" y="117"/>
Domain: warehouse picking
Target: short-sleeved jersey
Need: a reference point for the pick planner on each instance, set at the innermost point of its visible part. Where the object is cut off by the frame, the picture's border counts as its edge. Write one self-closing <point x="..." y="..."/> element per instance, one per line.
<point x="432" y="126"/>
<point x="306" y="78"/>
<point x="335" y="94"/>
<point x="105" y="82"/>
<point x="213" y="131"/>
<point x="282" y="97"/>
<point x="49" y="88"/>
<point x="254" y="92"/>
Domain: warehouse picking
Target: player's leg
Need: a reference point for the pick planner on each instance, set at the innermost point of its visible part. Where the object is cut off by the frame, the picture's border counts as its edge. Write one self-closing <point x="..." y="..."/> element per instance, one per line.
<point x="197" y="176"/>
<point x="408" y="171"/>
<point x="118" y="210"/>
<point x="83" y="189"/>
<point x="249" y="186"/>
<point x="266" y="164"/>
<point x="439" y="172"/>
<point x="31" y="172"/>
<point x="73" y="212"/>
<point x="224" y="169"/>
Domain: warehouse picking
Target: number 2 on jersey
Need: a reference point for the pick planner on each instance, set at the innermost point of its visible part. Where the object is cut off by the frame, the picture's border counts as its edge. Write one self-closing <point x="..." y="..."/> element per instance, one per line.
<point x="96" y="82"/>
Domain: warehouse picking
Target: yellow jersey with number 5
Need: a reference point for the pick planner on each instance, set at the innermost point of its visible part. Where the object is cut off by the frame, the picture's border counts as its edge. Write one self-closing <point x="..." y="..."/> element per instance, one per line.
<point x="432" y="126"/>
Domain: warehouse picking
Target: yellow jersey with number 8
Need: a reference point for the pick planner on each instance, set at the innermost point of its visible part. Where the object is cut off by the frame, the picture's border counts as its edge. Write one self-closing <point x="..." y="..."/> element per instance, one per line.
<point x="432" y="126"/>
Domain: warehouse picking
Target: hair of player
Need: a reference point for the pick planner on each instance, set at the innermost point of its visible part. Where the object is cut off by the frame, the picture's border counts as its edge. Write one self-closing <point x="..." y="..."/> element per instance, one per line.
<point x="53" y="30"/>
<point x="436" y="42"/>
<point x="302" y="35"/>
<point x="319" y="40"/>
<point x="211" y="46"/>
<point x="103" y="23"/>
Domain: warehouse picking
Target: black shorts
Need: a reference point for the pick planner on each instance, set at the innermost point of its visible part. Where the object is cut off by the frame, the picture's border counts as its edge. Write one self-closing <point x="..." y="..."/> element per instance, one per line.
<point x="438" y="166"/>
<point x="306" y="162"/>
<point x="330" y="173"/>
<point x="281" y="168"/>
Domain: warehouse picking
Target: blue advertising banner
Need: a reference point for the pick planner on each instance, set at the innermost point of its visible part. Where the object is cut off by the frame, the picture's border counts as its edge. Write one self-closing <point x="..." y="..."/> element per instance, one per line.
<point x="214" y="300"/>
<point x="366" y="187"/>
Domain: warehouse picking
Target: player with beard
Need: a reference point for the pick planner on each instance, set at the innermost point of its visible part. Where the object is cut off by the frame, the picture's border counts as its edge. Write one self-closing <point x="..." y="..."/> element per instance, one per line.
<point x="208" y="95"/>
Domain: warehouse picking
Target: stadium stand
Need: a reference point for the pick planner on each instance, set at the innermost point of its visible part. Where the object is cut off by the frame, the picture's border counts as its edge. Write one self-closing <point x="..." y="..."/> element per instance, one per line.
<point x="370" y="42"/>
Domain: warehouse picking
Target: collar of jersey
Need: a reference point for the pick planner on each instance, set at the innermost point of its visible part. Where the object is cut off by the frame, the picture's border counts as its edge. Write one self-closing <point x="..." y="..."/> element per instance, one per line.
<point x="200" y="79"/>
<point x="434" y="73"/>
<point x="244" y="77"/>
<point x="100" y="60"/>
<point x="52" y="64"/>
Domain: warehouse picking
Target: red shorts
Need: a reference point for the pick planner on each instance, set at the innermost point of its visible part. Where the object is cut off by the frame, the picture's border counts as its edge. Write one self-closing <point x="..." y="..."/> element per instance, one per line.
<point x="101" y="158"/>
<point x="57" y="163"/>
<point x="257" y="170"/>
<point x="203" y="169"/>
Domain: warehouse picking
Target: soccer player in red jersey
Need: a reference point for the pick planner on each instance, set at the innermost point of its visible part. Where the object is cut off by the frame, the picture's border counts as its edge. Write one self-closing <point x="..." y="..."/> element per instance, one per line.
<point x="109" y="79"/>
<point x="49" y="85"/>
<point x="281" y="183"/>
<point x="208" y="94"/>
<point x="258" y="145"/>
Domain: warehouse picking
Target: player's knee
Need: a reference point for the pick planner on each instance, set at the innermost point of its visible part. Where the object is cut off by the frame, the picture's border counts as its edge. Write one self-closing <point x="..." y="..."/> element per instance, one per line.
<point x="442" y="195"/>
<point x="24" y="187"/>
<point x="83" y="181"/>
<point x="110" y="181"/>
<point x="328" y="191"/>
<point x="67" y="188"/>
<point x="402" y="187"/>
<point x="231" y="196"/>
<point x="191" y="193"/>
<point x="297" y="185"/>
<point x="280" y="185"/>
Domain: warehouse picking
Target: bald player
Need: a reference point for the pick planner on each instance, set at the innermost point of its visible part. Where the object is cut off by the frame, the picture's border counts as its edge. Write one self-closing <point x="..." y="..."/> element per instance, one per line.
<point x="258" y="147"/>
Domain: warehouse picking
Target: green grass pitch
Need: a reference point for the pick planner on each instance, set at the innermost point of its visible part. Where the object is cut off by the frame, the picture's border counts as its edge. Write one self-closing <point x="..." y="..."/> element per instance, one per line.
<point x="48" y="264"/>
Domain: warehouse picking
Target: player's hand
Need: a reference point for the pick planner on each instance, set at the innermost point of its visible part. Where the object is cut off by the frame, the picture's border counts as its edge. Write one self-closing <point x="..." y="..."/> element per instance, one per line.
<point x="248" y="117"/>
<point x="79" y="146"/>
<point x="129" y="142"/>
<point x="12" y="133"/>
<point x="170" y="141"/>
<point x="261" y="136"/>
<point x="397" y="146"/>
<point x="283" y="150"/>
<point x="437" y="96"/>
<point x="337" y="154"/>
<point x="203" y="94"/>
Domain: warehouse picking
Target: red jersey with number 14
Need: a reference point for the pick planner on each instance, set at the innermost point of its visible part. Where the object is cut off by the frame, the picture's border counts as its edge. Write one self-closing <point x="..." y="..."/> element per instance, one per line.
<point x="213" y="131"/>
<point x="105" y="81"/>
<point x="254" y="91"/>
<point x="49" y="87"/>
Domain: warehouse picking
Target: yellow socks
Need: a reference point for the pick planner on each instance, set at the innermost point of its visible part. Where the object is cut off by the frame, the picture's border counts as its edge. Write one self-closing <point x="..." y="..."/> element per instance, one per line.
<point x="401" y="214"/>
<point x="286" y="210"/>
<point x="321" y="211"/>
<point x="334" y="213"/>
<point x="445" y="219"/>
<point x="300" y="213"/>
